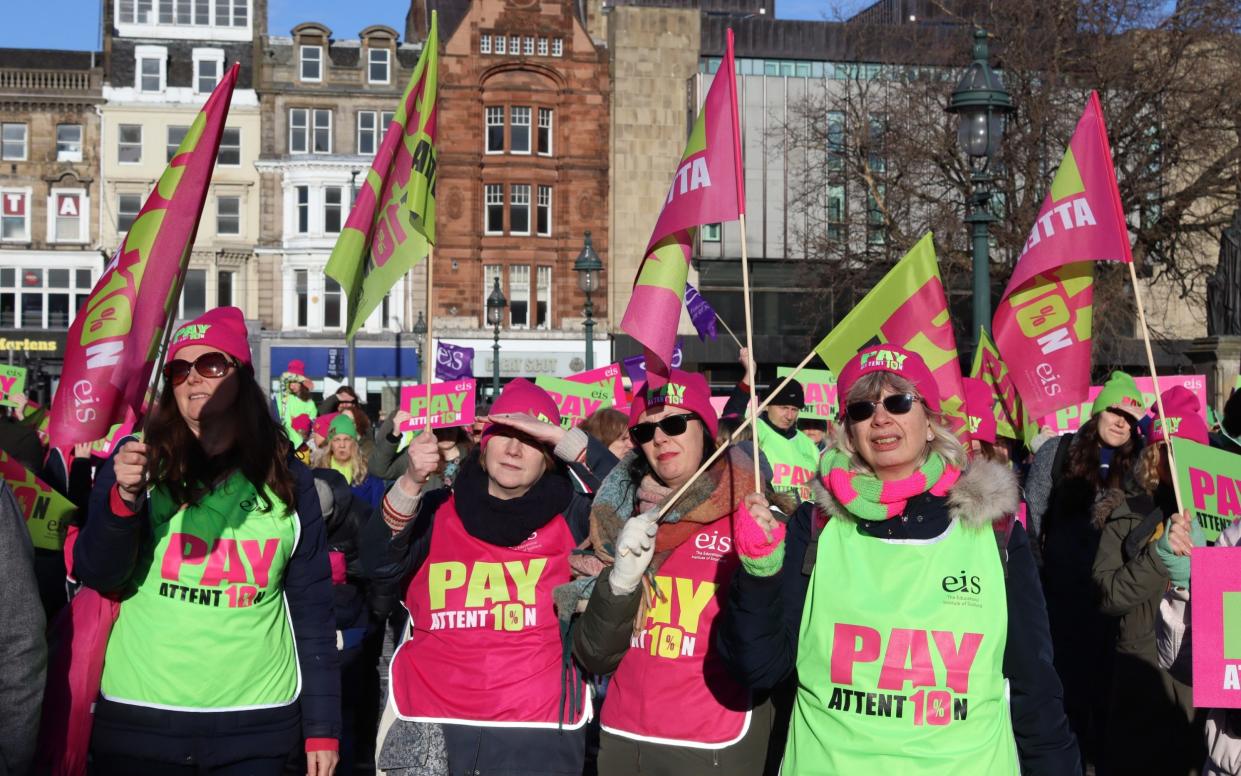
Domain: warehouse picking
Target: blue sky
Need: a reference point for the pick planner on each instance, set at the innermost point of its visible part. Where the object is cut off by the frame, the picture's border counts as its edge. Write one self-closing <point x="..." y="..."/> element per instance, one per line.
<point x="76" y="22"/>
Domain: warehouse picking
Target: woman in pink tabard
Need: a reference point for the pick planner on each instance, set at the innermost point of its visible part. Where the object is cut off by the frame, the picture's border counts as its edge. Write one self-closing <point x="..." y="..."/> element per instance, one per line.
<point x="671" y="706"/>
<point x="483" y="676"/>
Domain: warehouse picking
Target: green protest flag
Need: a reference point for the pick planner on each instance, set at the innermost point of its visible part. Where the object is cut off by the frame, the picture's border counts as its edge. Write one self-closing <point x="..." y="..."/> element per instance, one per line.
<point x="576" y="401"/>
<point x="391" y="225"/>
<point x="12" y="382"/>
<point x="47" y="512"/>
<point x="819" y="386"/>
<point x="1209" y="487"/>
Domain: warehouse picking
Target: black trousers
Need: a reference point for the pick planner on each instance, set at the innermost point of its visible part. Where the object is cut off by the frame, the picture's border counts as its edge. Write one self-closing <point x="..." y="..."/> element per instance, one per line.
<point x="129" y="740"/>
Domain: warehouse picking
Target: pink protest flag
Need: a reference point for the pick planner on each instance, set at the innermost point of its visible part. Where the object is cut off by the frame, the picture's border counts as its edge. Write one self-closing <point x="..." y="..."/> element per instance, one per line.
<point x="115" y="341"/>
<point x="1042" y="324"/>
<point x="707" y="188"/>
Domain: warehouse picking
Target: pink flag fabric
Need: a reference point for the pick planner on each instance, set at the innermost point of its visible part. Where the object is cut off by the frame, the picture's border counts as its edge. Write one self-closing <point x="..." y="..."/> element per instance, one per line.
<point x="114" y="342"/>
<point x="1042" y="324"/>
<point x="707" y="188"/>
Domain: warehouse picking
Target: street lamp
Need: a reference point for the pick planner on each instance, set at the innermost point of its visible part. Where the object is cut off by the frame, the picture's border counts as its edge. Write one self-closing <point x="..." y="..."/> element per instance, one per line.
<point x="588" y="268"/>
<point x="983" y="104"/>
<point x="495" y="314"/>
<point x="420" y="335"/>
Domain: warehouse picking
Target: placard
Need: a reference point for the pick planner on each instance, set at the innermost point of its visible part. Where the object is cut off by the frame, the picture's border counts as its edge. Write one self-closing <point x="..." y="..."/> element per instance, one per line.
<point x="820" y="388"/>
<point x="1209" y="485"/>
<point x="12" y="382"/>
<point x="47" y="512"/>
<point x="1070" y="419"/>
<point x="606" y="376"/>
<point x="576" y="401"/>
<point x="450" y="404"/>
<point x="1216" y="622"/>
<point x="103" y="448"/>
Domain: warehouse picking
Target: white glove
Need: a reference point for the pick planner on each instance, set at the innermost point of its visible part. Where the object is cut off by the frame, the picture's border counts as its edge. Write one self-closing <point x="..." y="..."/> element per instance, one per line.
<point x="634" y="549"/>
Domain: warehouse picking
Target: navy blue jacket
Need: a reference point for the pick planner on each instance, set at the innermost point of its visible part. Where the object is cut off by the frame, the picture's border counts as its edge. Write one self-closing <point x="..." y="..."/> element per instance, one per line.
<point x="107" y="551"/>
<point x="762" y="622"/>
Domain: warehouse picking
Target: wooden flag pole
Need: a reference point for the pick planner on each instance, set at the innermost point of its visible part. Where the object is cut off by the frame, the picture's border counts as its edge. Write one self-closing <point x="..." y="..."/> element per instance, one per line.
<point x="749" y="342"/>
<point x="428" y="365"/>
<point x="735" y="435"/>
<point x="727" y="329"/>
<point x="1150" y="361"/>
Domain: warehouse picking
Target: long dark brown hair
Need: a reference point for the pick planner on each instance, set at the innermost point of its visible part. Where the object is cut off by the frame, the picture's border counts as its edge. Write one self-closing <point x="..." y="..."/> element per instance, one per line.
<point x="1083" y="457"/>
<point x="260" y="448"/>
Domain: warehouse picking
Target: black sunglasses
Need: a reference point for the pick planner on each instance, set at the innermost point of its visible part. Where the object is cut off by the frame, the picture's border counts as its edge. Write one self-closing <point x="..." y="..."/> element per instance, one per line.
<point x="896" y="404"/>
<point x="214" y="364"/>
<point x="672" y="425"/>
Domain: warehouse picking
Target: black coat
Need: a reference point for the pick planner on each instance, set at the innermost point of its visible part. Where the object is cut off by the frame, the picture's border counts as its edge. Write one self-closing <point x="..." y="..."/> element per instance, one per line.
<point x="762" y="622"/>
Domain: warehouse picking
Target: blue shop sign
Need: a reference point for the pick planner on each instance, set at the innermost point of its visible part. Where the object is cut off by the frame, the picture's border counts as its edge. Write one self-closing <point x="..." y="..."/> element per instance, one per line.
<point x="383" y="361"/>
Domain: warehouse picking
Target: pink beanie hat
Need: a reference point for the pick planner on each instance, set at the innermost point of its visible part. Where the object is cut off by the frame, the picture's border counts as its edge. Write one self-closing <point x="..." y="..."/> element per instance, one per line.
<point x="223" y="328"/>
<point x="687" y="390"/>
<point x="323" y="424"/>
<point x="1184" y="419"/>
<point x="889" y="358"/>
<point x="301" y="424"/>
<point x="519" y="396"/>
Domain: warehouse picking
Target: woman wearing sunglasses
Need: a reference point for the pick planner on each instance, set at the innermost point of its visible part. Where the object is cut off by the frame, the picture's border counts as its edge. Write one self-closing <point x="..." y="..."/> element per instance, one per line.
<point x="671" y="706"/>
<point x="1067" y="478"/>
<point x="1131" y="574"/>
<point x="223" y="657"/>
<point x="484" y="669"/>
<point x="918" y="644"/>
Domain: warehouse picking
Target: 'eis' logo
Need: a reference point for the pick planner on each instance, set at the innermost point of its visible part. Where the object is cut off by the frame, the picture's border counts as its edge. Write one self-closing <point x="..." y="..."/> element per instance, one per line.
<point x="962" y="584"/>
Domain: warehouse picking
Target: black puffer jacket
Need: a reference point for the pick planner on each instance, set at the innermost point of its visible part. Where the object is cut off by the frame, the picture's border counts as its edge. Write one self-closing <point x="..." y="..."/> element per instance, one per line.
<point x="344" y="517"/>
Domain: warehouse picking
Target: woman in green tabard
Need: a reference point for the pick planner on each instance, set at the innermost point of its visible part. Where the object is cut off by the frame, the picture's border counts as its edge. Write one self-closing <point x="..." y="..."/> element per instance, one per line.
<point x="223" y="656"/>
<point x="906" y="601"/>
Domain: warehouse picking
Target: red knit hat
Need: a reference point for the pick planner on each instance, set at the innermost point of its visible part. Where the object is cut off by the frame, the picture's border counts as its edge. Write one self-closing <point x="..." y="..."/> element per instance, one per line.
<point x="889" y="358"/>
<point x="980" y="408"/>
<point x="687" y="390"/>
<point x="519" y="396"/>
<point x="223" y="328"/>
<point x="1184" y="418"/>
<point x="301" y="424"/>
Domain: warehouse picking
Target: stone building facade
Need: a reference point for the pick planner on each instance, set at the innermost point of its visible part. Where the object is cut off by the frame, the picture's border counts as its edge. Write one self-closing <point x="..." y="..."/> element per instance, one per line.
<point x="50" y="250"/>
<point x="326" y="103"/>
<point x="523" y="175"/>
<point x="161" y="62"/>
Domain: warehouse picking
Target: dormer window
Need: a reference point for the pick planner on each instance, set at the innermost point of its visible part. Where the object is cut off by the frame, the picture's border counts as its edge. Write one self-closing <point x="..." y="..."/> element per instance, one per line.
<point x="378" y="65"/>
<point x="312" y="63"/>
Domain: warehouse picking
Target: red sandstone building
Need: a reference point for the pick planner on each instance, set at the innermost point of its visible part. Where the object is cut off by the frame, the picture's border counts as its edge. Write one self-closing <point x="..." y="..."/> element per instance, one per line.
<point x="523" y="174"/>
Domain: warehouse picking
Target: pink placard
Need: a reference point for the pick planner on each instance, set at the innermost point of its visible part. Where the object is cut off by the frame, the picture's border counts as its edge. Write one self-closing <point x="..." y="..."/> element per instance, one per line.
<point x="451" y="404"/>
<point x="604" y="375"/>
<point x="1070" y="419"/>
<point x="1216" y="613"/>
<point x="718" y="403"/>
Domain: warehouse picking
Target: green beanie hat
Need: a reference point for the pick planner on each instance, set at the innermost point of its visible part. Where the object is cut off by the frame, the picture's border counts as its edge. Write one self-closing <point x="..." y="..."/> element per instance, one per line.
<point x="1120" y="391"/>
<point x="342" y="424"/>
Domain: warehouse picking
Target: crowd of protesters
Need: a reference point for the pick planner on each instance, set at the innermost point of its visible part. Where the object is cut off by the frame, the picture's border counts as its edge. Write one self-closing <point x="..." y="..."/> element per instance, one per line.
<point x="267" y="585"/>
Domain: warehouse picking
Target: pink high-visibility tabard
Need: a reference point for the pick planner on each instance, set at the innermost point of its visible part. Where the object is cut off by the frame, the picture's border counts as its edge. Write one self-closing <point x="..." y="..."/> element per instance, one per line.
<point x="671" y="686"/>
<point x="485" y="647"/>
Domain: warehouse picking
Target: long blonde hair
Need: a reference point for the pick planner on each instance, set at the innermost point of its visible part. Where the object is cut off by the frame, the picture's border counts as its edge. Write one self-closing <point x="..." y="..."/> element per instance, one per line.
<point x="357" y="471"/>
<point x="869" y="388"/>
<point x="1146" y="469"/>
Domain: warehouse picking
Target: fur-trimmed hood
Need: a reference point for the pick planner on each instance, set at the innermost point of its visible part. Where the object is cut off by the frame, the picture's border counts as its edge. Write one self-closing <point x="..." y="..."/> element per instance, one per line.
<point x="986" y="492"/>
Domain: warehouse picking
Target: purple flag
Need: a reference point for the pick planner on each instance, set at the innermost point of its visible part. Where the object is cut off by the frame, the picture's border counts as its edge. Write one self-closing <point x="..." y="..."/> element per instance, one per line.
<point x="700" y="312"/>
<point x="635" y="366"/>
<point x="453" y="362"/>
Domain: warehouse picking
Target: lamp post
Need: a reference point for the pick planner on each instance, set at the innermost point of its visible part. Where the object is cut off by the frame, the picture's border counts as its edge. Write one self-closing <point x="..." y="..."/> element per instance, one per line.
<point x="983" y="105"/>
<point x="495" y="314"/>
<point x="587" y="266"/>
<point x="420" y="334"/>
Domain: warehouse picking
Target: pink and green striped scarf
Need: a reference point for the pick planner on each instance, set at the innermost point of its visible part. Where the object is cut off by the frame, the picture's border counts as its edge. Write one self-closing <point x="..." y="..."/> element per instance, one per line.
<point x="869" y="498"/>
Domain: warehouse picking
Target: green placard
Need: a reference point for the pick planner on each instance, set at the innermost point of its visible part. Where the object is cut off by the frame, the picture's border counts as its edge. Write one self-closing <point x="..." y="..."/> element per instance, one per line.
<point x="820" y="388"/>
<point x="1209" y="487"/>
<point x="12" y="382"/>
<point x="576" y="401"/>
